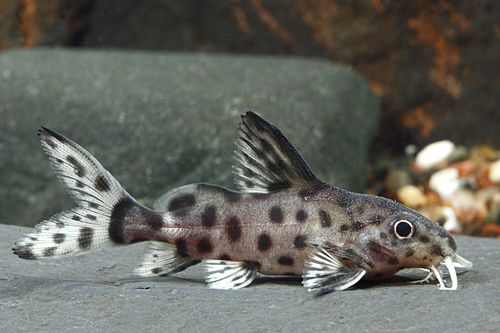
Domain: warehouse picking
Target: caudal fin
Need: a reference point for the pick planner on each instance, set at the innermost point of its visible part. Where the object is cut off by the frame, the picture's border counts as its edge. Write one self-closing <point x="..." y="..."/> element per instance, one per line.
<point x="96" y="223"/>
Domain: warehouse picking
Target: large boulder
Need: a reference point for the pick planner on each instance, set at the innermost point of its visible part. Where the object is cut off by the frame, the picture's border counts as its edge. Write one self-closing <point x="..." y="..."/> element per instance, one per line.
<point x="159" y="120"/>
<point x="432" y="63"/>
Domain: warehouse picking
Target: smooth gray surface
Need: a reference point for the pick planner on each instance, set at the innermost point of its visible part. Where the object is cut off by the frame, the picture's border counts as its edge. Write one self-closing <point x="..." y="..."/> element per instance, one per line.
<point x="161" y="120"/>
<point x="98" y="292"/>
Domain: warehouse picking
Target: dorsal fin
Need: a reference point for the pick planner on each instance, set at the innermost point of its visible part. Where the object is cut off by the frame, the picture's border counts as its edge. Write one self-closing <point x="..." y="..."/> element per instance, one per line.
<point x="266" y="160"/>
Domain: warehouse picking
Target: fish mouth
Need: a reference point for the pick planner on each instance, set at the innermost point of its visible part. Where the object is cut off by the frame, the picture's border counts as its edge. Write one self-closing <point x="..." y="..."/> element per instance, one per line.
<point x="451" y="261"/>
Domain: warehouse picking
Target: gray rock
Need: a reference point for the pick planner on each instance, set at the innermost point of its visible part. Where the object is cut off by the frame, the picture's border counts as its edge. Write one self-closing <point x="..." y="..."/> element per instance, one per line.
<point x="98" y="292"/>
<point x="157" y="120"/>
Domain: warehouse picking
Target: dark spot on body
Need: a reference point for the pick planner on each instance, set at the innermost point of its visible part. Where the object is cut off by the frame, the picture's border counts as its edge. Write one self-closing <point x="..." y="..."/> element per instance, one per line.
<point x="101" y="184"/>
<point x="360" y="210"/>
<point x="208" y="217"/>
<point x="424" y="239"/>
<point x="252" y="264"/>
<point x="79" y="184"/>
<point x="324" y="219"/>
<point x="204" y="246"/>
<point x="49" y="252"/>
<point x="358" y="226"/>
<point x="91" y="217"/>
<point x="181" y="245"/>
<point x="264" y="242"/>
<point x="301" y="215"/>
<point x="286" y="261"/>
<point x="93" y="205"/>
<point x="128" y="221"/>
<point x="60" y="224"/>
<point x="300" y="241"/>
<point x="157" y="270"/>
<point x="116" y="229"/>
<point x="424" y="258"/>
<point x="393" y="261"/>
<point x="179" y="203"/>
<point x="85" y="238"/>
<point x="225" y="257"/>
<point x="59" y="238"/>
<point x="75" y="218"/>
<point x="248" y="184"/>
<point x="233" y="229"/>
<point x="155" y="255"/>
<point x="343" y="227"/>
<point x="377" y="219"/>
<point x="383" y="235"/>
<point x="276" y="214"/>
<point x="409" y="253"/>
<point x="151" y="218"/>
<point x="79" y="169"/>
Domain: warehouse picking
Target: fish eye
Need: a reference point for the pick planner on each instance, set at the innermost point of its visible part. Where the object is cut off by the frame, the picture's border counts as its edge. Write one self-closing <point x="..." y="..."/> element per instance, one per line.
<point x="403" y="229"/>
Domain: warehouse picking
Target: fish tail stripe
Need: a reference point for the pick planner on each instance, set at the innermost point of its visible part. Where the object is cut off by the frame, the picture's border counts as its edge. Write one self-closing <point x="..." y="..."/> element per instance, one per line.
<point x="87" y="227"/>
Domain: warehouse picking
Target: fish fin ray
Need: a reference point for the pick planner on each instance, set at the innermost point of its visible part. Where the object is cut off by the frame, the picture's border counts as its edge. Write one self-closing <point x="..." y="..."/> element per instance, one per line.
<point x="325" y="273"/>
<point x="84" y="228"/>
<point x="223" y="274"/>
<point x="164" y="259"/>
<point x="266" y="161"/>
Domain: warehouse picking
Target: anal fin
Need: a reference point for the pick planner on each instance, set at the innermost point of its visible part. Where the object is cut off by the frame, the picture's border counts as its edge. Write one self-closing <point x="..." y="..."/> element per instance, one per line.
<point x="229" y="274"/>
<point x="164" y="259"/>
<point x="325" y="273"/>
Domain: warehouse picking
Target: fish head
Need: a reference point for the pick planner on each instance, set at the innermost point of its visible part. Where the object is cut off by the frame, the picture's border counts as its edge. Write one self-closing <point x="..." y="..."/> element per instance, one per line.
<point x="406" y="239"/>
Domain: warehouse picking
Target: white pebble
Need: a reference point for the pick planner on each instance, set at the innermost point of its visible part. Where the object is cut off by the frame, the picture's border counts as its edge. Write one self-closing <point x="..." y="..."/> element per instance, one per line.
<point x="451" y="223"/>
<point x="411" y="196"/>
<point x="494" y="174"/>
<point x="445" y="182"/>
<point x="431" y="155"/>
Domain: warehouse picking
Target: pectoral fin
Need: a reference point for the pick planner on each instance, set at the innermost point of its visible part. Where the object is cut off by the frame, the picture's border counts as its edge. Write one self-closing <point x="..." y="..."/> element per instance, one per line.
<point x="325" y="273"/>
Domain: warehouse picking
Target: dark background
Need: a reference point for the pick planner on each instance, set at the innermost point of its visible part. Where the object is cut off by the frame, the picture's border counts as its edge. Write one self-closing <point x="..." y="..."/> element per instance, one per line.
<point x="434" y="64"/>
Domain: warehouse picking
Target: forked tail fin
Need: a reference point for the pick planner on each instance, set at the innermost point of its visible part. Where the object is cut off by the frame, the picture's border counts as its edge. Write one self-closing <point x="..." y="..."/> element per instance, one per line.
<point x="103" y="206"/>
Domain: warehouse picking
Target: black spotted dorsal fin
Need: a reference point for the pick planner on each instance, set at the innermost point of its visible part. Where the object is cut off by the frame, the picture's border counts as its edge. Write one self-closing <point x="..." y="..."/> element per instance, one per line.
<point x="266" y="160"/>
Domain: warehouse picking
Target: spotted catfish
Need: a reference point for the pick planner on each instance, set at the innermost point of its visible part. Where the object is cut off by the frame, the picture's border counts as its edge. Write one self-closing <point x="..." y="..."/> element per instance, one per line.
<point x="284" y="221"/>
